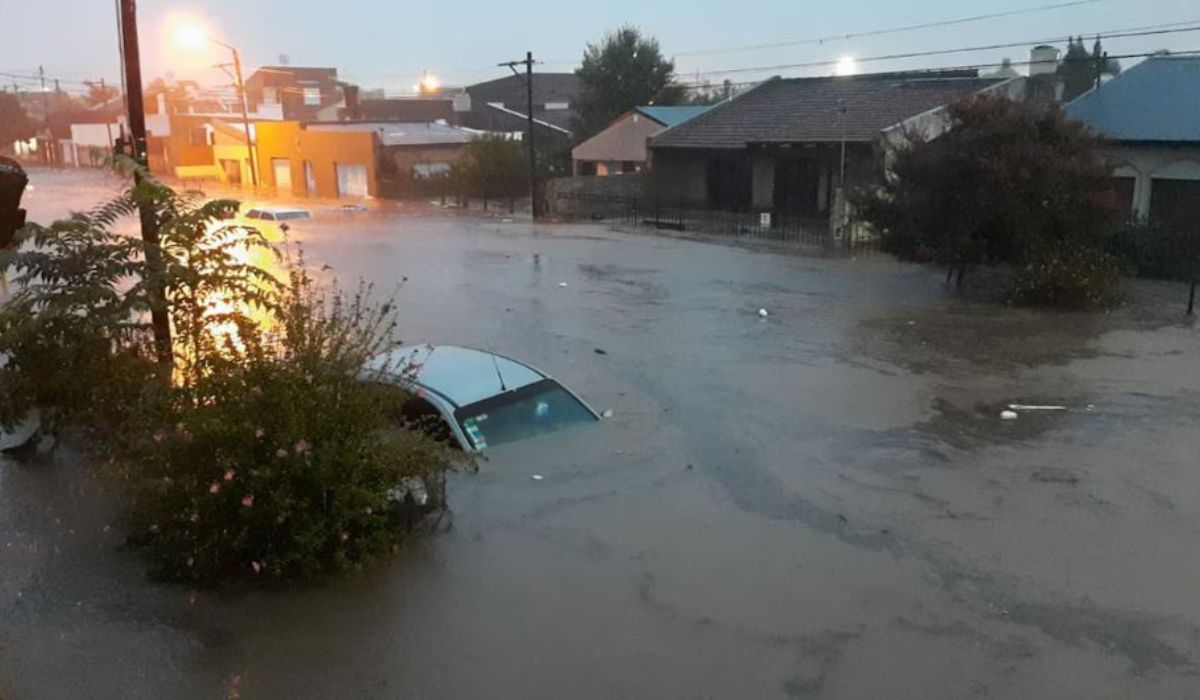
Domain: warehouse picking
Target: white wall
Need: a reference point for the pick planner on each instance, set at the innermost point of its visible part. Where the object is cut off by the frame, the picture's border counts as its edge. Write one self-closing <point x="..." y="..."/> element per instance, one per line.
<point x="1144" y="163"/>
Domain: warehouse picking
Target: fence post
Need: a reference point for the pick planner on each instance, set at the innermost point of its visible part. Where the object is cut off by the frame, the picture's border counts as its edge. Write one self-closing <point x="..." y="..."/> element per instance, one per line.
<point x="1192" y="298"/>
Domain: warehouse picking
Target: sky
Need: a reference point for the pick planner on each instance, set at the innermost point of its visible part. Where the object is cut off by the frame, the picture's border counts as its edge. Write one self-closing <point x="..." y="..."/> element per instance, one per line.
<point x="389" y="44"/>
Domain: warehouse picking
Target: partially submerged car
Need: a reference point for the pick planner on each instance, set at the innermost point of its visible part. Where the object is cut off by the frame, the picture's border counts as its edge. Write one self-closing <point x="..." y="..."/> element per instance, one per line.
<point x="476" y="399"/>
<point x="272" y="222"/>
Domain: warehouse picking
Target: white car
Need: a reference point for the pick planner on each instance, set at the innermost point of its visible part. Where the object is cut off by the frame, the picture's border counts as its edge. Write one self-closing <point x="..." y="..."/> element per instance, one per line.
<point x="273" y="222"/>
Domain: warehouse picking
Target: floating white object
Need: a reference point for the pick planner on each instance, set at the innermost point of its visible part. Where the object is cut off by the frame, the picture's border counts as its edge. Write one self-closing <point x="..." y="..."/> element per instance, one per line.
<point x="1020" y="407"/>
<point x="763" y="313"/>
<point x="562" y="284"/>
<point x="608" y="413"/>
<point x="538" y="477"/>
<point x="1009" y="415"/>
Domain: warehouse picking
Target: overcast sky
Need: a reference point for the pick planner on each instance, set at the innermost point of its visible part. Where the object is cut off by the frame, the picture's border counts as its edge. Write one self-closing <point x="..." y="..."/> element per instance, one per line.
<point x="386" y="43"/>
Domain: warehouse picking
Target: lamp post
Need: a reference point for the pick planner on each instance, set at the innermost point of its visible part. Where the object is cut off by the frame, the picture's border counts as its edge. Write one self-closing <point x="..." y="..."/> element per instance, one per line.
<point x="194" y="37"/>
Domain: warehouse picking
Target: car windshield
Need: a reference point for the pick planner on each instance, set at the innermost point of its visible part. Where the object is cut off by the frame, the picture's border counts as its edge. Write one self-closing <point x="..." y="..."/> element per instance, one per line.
<point x="540" y="408"/>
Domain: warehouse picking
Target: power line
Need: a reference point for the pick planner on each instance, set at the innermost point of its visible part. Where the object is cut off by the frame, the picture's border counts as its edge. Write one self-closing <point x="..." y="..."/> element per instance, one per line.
<point x="932" y="72"/>
<point x="892" y="30"/>
<point x="1118" y="34"/>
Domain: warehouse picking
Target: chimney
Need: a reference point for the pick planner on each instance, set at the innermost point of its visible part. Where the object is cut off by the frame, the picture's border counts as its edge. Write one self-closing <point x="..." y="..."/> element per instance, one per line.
<point x="353" y="109"/>
<point x="1043" y="60"/>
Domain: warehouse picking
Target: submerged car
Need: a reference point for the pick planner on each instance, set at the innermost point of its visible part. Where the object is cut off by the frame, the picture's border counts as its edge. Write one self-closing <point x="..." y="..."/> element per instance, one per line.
<point x="475" y="399"/>
<point x="273" y="222"/>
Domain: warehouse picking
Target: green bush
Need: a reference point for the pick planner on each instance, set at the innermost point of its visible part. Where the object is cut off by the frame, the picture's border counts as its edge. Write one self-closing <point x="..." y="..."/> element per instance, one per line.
<point x="1068" y="277"/>
<point x="263" y="452"/>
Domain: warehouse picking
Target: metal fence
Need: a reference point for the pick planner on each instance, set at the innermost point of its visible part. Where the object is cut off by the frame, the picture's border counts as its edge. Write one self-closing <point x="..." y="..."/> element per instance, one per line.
<point x="661" y="215"/>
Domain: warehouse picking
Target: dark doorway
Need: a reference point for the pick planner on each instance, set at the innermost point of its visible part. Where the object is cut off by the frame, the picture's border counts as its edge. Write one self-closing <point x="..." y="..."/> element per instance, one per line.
<point x="797" y="183"/>
<point x="1175" y="204"/>
<point x="728" y="176"/>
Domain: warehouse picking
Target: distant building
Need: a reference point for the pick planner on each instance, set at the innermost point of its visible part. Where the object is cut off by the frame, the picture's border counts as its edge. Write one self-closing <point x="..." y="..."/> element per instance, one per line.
<point x="555" y="100"/>
<point x="303" y="94"/>
<point x="621" y="148"/>
<point x="1150" y="115"/>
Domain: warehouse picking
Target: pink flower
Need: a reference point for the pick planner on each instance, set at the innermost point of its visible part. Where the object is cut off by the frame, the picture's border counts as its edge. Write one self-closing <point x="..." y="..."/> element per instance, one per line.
<point x="260" y="433"/>
<point x="229" y="474"/>
<point x="303" y="447"/>
<point x="282" y="454"/>
<point x="160" y="436"/>
<point x="248" y="500"/>
<point x="256" y="566"/>
<point x="214" y="487"/>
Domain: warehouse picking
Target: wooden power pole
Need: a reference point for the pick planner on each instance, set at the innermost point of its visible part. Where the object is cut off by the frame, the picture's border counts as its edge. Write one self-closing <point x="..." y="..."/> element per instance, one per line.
<point x="530" y="123"/>
<point x="159" y="315"/>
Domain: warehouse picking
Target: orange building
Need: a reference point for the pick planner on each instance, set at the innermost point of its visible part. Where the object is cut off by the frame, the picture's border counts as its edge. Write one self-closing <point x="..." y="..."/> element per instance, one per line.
<point x="295" y="159"/>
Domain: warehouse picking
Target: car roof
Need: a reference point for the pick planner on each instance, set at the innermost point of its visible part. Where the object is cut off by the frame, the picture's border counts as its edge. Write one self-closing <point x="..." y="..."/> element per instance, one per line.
<point x="278" y="210"/>
<point x="462" y="376"/>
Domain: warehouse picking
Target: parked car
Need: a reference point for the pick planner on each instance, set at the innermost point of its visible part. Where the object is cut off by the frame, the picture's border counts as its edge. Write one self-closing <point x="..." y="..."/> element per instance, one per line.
<point x="273" y="222"/>
<point x="477" y="400"/>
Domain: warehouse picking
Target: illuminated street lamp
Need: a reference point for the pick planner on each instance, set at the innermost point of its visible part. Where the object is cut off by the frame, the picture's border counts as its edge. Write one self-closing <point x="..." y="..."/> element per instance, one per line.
<point x="192" y="37"/>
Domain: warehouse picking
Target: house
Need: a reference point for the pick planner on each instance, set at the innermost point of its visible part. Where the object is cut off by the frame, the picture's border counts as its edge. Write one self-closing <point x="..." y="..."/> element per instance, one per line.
<point x="1150" y="115"/>
<point x="789" y="147"/>
<point x="355" y="159"/>
<point x="621" y="148"/>
<point x="304" y="94"/>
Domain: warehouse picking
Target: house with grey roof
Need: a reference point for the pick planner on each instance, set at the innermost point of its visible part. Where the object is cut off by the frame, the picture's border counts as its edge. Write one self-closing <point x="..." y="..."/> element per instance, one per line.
<point x="1150" y="117"/>
<point x="789" y="147"/>
<point x="621" y="148"/>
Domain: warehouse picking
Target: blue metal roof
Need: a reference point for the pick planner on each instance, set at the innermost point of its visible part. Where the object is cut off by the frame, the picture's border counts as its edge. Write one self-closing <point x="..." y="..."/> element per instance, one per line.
<point x="1156" y="100"/>
<point x="673" y="116"/>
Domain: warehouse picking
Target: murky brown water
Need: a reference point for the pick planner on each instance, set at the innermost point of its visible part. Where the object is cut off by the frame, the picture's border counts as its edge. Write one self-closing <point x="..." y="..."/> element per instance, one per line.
<point x="824" y="504"/>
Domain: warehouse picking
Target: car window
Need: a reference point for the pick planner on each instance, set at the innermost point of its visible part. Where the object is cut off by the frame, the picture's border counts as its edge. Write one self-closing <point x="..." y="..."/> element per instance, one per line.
<point x="253" y="214"/>
<point x="288" y="215"/>
<point x="540" y="408"/>
<point x="422" y="416"/>
<point x="267" y="216"/>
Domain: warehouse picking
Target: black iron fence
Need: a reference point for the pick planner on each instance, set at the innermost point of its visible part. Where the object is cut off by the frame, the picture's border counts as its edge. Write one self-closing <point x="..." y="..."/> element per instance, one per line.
<point x="653" y="214"/>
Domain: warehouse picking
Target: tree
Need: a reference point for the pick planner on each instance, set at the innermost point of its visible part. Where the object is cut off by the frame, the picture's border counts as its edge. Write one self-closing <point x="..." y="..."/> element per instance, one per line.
<point x="1080" y="70"/>
<point x="624" y="71"/>
<point x="1006" y="184"/>
<point x="493" y="167"/>
<point x="15" y="125"/>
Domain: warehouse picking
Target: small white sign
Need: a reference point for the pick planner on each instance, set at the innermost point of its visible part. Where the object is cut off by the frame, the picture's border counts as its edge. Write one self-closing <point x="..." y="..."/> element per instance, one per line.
<point x="764" y="219"/>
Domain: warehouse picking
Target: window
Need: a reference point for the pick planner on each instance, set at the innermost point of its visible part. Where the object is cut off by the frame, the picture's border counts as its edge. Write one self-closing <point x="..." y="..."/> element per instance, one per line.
<point x="1122" y="193"/>
<point x="557" y="106"/>
<point x="198" y="136"/>
<point x="424" y="171"/>
<point x="270" y="96"/>
<point x="312" y="97"/>
<point x="537" y="409"/>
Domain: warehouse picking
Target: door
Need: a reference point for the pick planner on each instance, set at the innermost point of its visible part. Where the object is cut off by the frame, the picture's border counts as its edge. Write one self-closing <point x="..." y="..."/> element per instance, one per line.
<point x="233" y="171"/>
<point x="282" y="168"/>
<point x="352" y="180"/>
<point x="310" y="178"/>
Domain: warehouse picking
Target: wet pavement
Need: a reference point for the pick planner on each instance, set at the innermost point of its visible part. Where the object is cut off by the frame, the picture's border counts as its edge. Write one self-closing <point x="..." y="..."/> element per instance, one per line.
<point x="821" y="504"/>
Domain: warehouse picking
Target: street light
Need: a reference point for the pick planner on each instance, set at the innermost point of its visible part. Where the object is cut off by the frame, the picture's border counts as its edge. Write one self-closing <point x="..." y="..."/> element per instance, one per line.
<point x="192" y="37"/>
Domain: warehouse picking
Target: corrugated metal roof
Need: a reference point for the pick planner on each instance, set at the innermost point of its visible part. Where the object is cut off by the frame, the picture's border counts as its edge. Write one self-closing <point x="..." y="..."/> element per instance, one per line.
<point x="1156" y="100"/>
<point x="405" y="133"/>
<point x="803" y="110"/>
<point x="673" y="116"/>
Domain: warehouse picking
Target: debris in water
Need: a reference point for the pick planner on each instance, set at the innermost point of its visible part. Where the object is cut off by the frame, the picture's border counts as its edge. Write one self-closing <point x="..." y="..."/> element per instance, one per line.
<point x="1022" y="407"/>
<point x="538" y="477"/>
<point x="506" y="221"/>
<point x="762" y="313"/>
<point x="563" y="285"/>
<point x="608" y="413"/>
<point x="600" y="351"/>
<point x="1009" y="415"/>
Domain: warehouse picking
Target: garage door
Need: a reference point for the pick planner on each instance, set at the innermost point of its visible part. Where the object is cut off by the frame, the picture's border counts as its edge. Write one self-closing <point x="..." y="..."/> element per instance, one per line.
<point x="282" y="168"/>
<point x="352" y="180"/>
<point x="1175" y="204"/>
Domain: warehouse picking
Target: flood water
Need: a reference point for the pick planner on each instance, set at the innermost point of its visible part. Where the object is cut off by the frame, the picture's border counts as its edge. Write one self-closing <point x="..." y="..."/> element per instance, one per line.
<point x="821" y="504"/>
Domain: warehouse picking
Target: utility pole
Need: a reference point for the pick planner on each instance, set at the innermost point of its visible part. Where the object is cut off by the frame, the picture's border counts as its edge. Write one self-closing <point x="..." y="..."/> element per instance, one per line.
<point x="529" y="137"/>
<point x="159" y="316"/>
<point x="243" y="99"/>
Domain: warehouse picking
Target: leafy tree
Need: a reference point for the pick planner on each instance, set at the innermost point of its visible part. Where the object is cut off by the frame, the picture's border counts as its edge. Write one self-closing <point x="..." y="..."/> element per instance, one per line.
<point x="15" y="125"/>
<point x="493" y="167"/>
<point x="1005" y="184"/>
<point x="624" y="71"/>
<point x="1080" y="70"/>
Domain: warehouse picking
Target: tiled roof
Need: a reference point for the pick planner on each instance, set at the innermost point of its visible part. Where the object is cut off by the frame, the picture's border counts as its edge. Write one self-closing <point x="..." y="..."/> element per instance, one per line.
<point x="405" y="134"/>
<point x="1156" y="100"/>
<point x="802" y="110"/>
<point x="673" y="116"/>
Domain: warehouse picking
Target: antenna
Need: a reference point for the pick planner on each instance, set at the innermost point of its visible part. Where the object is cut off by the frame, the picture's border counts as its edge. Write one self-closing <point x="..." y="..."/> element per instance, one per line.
<point x="499" y="375"/>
